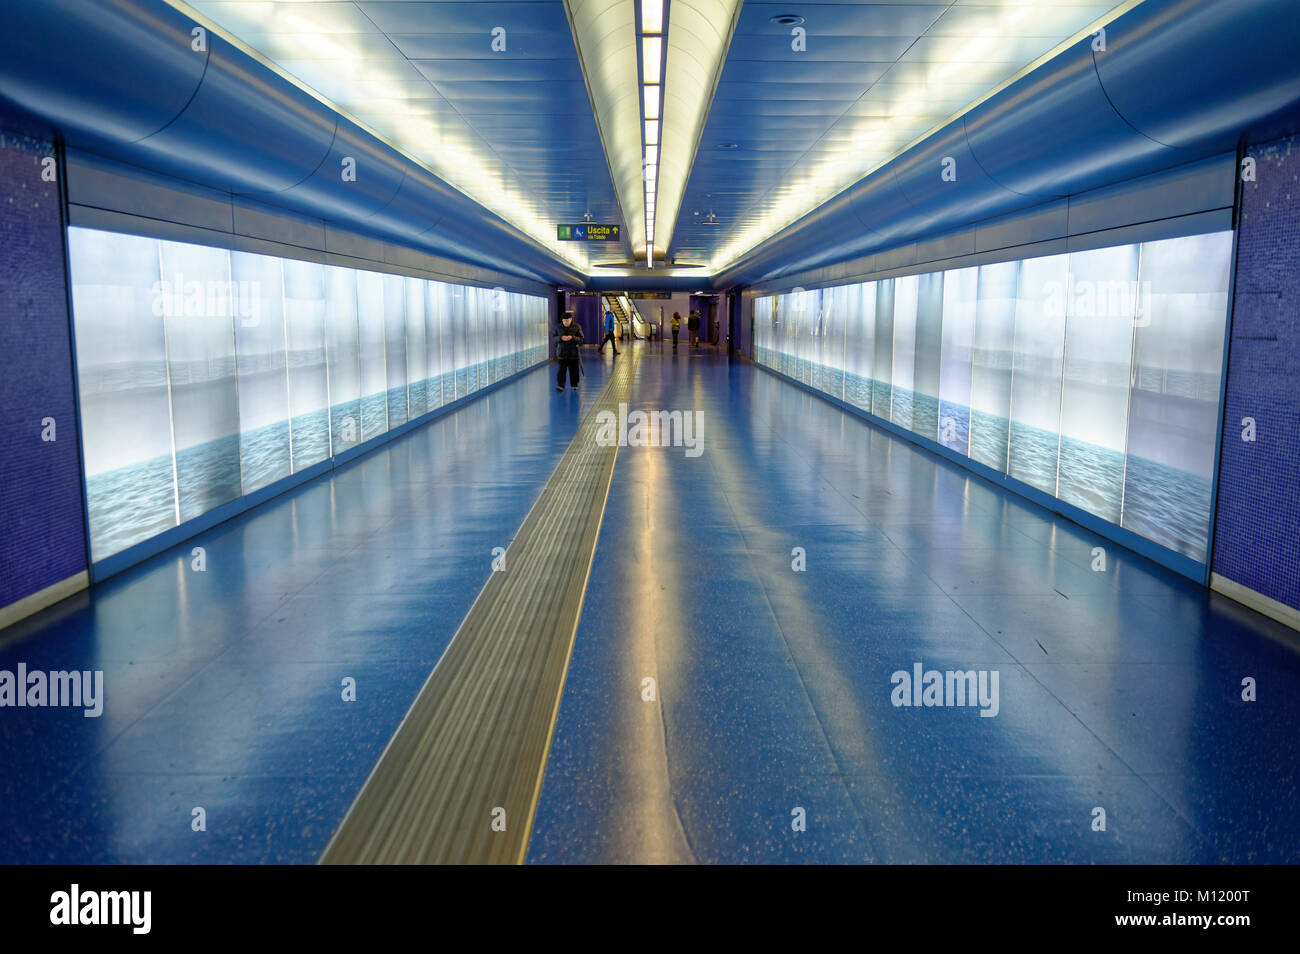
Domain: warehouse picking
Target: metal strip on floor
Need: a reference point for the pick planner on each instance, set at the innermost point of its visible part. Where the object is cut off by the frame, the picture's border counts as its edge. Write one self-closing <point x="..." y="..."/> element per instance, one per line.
<point x="459" y="781"/>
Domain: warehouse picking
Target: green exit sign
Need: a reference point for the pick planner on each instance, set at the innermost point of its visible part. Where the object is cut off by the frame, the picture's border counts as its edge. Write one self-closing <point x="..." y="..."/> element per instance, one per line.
<point x="587" y="232"/>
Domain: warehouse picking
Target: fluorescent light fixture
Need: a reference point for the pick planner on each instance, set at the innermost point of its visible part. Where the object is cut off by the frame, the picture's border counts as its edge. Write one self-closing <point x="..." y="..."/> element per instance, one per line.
<point x="651" y="57"/>
<point x="650" y="172"/>
<point x="652" y="154"/>
<point x="651" y="102"/>
<point x="694" y="50"/>
<point x="652" y="16"/>
<point x="652" y="132"/>
<point x="997" y="43"/>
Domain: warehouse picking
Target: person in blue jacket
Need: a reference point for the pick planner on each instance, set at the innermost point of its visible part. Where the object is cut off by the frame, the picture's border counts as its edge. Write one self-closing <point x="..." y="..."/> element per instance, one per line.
<point x="609" y="333"/>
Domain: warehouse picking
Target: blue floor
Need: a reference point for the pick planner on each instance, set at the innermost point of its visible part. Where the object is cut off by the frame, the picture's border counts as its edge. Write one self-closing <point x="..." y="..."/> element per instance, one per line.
<point x="224" y="688"/>
<point x="1119" y="690"/>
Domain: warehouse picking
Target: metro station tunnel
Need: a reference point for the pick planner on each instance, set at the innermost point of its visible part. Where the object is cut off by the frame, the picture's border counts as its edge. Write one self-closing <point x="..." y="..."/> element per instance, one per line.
<point x="650" y="431"/>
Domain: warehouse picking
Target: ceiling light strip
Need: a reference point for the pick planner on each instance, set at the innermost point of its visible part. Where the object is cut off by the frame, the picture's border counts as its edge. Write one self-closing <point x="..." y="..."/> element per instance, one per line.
<point x="651" y="21"/>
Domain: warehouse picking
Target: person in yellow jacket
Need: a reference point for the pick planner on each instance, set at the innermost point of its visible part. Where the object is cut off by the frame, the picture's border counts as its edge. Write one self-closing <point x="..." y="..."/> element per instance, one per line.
<point x="677" y="325"/>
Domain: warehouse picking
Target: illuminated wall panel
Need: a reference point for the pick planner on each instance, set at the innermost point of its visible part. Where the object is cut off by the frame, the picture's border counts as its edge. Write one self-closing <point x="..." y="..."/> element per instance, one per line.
<point x="206" y="374"/>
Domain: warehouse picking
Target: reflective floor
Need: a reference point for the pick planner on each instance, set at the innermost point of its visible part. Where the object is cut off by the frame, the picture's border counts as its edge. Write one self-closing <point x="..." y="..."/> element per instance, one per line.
<point x="1119" y="691"/>
<point x="224" y="689"/>
<point x="731" y="681"/>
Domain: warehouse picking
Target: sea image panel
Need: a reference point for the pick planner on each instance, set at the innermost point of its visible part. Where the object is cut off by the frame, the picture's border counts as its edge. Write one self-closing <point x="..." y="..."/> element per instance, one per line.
<point x="1099" y="328"/>
<point x="341" y="344"/>
<point x="957" y="339"/>
<point x="417" y="351"/>
<point x="122" y="383"/>
<point x="395" y="347"/>
<point x="904" y="365"/>
<point x="1174" y="404"/>
<point x="995" y="325"/>
<point x="834" y="302"/>
<point x="264" y="451"/>
<point x="460" y="338"/>
<point x="810" y="333"/>
<point x="372" y="354"/>
<point x="1037" y="355"/>
<point x="304" y="330"/>
<point x="200" y="314"/>
<point x="929" y="349"/>
<point x="883" y="361"/>
<point x="859" y="344"/>
<point x="433" y="343"/>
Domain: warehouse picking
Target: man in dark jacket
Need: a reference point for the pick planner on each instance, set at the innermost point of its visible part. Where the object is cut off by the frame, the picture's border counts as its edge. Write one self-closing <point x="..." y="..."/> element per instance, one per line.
<point x="568" y="338"/>
<point x="693" y="325"/>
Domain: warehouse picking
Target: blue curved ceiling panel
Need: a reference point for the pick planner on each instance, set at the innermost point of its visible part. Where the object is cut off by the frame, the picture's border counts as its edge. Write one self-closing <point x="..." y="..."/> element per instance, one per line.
<point x="1030" y="139"/>
<point x="111" y="71"/>
<point x="1065" y="127"/>
<point x="120" y="78"/>
<point x="1186" y="72"/>
<point x="245" y="129"/>
<point x="381" y="172"/>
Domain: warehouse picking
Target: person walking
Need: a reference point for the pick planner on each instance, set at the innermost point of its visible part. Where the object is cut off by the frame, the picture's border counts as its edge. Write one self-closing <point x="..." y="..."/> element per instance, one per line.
<point x="609" y="334"/>
<point x="693" y="323"/>
<point x="568" y="338"/>
<point x="677" y="327"/>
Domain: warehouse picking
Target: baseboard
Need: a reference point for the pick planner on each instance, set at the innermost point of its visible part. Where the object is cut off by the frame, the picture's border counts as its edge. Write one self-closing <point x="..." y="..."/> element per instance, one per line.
<point x="1273" y="609"/>
<point x="37" y="601"/>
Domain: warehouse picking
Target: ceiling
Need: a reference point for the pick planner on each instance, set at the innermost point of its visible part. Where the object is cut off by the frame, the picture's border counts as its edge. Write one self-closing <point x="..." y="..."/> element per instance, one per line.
<point x="512" y="128"/>
<point x="519" y="130"/>
<point x="789" y="129"/>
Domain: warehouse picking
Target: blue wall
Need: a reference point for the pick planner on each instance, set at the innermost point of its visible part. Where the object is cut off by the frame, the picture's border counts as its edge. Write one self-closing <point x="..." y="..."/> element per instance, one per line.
<point x="42" y="536"/>
<point x="1257" y="533"/>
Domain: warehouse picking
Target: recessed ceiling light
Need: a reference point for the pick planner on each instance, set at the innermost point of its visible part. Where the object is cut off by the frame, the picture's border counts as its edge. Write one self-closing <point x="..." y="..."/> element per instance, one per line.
<point x="728" y="145"/>
<point x="787" y="19"/>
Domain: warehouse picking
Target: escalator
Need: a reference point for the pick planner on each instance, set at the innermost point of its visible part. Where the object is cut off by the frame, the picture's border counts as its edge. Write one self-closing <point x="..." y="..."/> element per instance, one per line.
<point x="627" y="318"/>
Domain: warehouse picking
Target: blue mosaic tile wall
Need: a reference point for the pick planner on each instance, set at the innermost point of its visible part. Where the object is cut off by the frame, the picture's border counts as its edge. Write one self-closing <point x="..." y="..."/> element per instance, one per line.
<point x="1257" y="534"/>
<point x="42" y="535"/>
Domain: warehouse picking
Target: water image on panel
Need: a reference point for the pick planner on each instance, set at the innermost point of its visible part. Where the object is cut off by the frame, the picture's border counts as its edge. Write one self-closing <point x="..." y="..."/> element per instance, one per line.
<point x="304" y="332"/>
<point x="928" y="349"/>
<point x="904" y="364"/>
<point x="394" y="290"/>
<point x="264" y="449"/>
<point x="122" y="377"/>
<point x="373" y="357"/>
<point x="860" y="344"/>
<point x="990" y="397"/>
<point x="1174" y="405"/>
<point x="762" y="329"/>
<point x="200" y="308"/>
<point x="459" y="335"/>
<point x="830" y="372"/>
<point x="433" y="344"/>
<point x="809" y="320"/>
<point x="341" y="346"/>
<point x="883" y="362"/>
<point x="960" y="290"/>
<point x="417" y="353"/>
<point x="1036" y="357"/>
<point x="1101" y="302"/>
